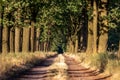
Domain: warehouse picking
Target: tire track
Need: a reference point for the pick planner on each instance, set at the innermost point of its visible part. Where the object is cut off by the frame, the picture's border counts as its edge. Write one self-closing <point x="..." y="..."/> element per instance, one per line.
<point x="79" y="72"/>
<point x="39" y="72"/>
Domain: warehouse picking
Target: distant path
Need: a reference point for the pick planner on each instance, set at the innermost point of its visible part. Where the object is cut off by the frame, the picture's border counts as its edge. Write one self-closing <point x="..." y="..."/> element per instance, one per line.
<point x="78" y="72"/>
<point x="75" y="71"/>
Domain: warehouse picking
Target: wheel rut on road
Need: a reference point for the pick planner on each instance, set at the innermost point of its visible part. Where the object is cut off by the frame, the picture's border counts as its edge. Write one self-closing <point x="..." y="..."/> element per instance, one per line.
<point x="79" y="72"/>
<point x="39" y="72"/>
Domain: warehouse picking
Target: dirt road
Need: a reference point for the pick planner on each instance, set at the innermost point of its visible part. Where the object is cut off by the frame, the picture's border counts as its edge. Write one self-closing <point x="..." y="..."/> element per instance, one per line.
<point x="75" y="71"/>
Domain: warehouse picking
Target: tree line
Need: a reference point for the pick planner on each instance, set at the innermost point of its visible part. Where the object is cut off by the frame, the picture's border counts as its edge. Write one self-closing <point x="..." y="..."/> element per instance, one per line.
<point x="91" y="26"/>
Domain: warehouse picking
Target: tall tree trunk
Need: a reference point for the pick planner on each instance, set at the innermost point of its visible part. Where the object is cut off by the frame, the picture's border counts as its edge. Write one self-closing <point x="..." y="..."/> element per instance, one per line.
<point x="17" y="39"/>
<point x="119" y="49"/>
<point x="90" y="31"/>
<point x="37" y="39"/>
<point x="71" y="47"/>
<point x="76" y="44"/>
<point x="90" y="38"/>
<point x="1" y="26"/>
<point x="103" y="32"/>
<point x="45" y="43"/>
<point x="0" y="35"/>
<point x="68" y="45"/>
<point x="0" y="38"/>
<point x="32" y="38"/>
<point x="26" y="36"/>
<point x="12" y="40"/>
<point x="95" y="17"/>
<point x="42" y="46"/>
<point x="5" y="46"/>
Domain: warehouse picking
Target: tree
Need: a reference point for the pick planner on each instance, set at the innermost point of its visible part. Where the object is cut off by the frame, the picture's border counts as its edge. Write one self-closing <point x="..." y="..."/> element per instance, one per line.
<point x="17" y="39"/>
<point x="90" y="28"/>
<point x="37" y="39"/>
<point x="26" y="39"/>
<point x="5" y="30"/>
<point x="103" y="26"/>
<point x="95" y="21"/>
<point x="1" y="25"/>
<point x="5" y="47"/>
<point x="12" y="39"/>
<point x="32" y="38"/>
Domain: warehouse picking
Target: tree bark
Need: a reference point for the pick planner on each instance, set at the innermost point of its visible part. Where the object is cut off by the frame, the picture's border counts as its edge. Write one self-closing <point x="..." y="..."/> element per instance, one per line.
<point x="76" y="44"/>
<point x="17" y="39"/>
<point x="90" y="37"/>
<point x="42" y="46"/>
<point x="0" y="35"/>
<point x="5" y="46"/>
<point x="12" y="40"/>
<point x="32" y="38"/>
<point x="37" y="39"/>
<point x="1" y="27"/>
<point x="45" y="43"/>
<point x="95" y="17"/>
<point x="103" y="32"/>
<point x="71" y="47"/>
<point x="26" y="39"/>
<point x="119" y="49"/>
<point x="68" y="46"/>
<point x="0" y="38"/>
<point x="90" y="30"/>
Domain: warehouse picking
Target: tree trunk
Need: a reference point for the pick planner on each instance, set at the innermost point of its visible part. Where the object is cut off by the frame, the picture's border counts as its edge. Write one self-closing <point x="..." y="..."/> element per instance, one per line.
<point x="90" y="38"/>
<point x="37" y="39"/>
<point x="119" y="49"/>
<point x="12" y="40"/>
<point x="0" y="38"/>
<point x="1" y="26"/>
<point x="95" y="17"/>
<point x="73" y="47"/>
<point x="90" y="31"/>
<point x="45" y="43"/>
<point x="103" y="32"/>
<point x="76" y="44"/>
<point x="26" y="36"/>
<point x="42" y="46"/>
<point x="0" y="35"/>
<point x="5" y="46"/>
<point x="32" y="38"/>
<point x="70" y="46"/>
<point x="17" y="39"/>
<point x="118" y="54"/>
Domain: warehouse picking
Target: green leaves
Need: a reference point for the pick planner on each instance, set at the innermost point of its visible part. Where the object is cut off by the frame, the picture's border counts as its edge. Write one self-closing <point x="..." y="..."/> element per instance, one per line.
<point x="114" y="17"/>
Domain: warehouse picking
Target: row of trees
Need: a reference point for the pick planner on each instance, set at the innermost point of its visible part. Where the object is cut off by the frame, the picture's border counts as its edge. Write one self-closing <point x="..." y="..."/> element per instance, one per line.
<point x="75" y="25"/>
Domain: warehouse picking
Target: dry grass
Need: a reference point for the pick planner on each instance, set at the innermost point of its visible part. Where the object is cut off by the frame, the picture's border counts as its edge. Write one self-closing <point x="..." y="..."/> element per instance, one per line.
<point x="13" y="63"/>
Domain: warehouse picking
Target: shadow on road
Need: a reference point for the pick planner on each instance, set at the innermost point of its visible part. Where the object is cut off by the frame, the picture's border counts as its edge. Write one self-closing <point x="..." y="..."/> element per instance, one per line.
<point x="38" y="72"/>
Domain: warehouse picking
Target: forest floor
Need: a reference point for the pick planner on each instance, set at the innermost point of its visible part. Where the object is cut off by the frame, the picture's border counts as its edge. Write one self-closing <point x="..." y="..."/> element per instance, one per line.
<point x="75" y="71"/>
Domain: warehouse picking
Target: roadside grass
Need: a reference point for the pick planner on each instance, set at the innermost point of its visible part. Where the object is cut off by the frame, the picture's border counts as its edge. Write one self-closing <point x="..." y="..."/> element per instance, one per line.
<point x="14" y="63"/>
<point x="106" y="63"/>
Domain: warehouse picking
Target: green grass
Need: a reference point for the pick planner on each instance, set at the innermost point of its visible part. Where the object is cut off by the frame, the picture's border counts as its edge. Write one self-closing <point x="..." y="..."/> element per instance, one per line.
<point x="13" y="63"/>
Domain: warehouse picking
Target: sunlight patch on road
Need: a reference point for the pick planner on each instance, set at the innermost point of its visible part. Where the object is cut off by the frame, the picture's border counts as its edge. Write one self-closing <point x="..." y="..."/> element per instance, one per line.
<point x="60" y="68"/>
